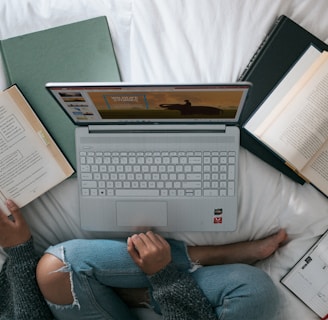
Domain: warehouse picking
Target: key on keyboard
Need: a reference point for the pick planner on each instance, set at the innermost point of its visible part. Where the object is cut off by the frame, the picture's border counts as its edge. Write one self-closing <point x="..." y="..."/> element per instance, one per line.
<point x="158" y="174"/>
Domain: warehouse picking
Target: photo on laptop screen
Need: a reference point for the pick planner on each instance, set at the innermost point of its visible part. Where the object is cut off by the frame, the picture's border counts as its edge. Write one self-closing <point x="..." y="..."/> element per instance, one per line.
<point x="115" y="102"/>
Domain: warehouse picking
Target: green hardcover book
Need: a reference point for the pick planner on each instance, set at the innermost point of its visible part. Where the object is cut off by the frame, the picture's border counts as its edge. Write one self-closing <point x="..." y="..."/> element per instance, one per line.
<point x="80" y="51"/>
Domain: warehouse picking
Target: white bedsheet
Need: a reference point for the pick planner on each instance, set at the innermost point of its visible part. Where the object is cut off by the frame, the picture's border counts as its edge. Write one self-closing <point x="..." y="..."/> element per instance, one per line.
<point x="189" y="41"/>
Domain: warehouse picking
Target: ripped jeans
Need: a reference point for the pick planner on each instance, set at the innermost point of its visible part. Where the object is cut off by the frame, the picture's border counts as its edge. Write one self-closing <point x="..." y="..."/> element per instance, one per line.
<point x="235" y="291"/>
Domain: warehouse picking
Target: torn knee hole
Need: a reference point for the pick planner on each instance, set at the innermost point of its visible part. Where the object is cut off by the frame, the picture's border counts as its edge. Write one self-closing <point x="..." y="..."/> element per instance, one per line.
<point x="55" y="280"/>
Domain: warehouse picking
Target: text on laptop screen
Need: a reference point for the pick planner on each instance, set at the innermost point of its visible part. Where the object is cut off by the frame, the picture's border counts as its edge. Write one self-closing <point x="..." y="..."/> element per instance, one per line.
<point x="116" y="103"/>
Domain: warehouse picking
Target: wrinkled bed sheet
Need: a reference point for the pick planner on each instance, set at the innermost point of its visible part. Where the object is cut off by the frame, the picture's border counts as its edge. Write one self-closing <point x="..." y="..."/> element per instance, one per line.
<point x="189" y="41"/>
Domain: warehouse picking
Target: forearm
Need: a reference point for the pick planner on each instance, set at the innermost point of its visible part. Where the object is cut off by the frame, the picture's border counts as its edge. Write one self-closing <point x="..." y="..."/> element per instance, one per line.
<point x="179" y="296"/>
<point x="28" y="302"/>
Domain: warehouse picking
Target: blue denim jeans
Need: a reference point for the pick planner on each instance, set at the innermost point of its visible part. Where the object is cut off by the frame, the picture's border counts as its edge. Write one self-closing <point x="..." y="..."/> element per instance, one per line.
<point x="235" y="291"/>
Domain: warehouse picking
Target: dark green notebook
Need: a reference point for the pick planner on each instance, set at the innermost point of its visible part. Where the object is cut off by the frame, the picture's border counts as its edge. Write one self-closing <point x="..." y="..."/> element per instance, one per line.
<point x="80" y="51"/>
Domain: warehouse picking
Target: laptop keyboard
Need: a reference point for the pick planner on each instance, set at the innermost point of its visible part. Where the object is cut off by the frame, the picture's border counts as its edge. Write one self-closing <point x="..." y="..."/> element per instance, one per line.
<point x="158" y="174"/>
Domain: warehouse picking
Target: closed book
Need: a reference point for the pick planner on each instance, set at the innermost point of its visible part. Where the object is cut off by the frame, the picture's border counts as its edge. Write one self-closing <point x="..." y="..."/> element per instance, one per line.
<point x="80" y="51"/>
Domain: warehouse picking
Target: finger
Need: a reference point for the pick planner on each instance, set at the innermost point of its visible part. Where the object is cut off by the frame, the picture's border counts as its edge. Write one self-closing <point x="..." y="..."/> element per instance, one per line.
<point x="162" y="240"/>
<point x="154" y="240"/>
<point x="4" y="209"/>
<point x="151" y="238"/>
<point x="157" y="239"/>
<point x="5" y="214"/>
<point x="3" y="217"/>
<point x="138" y="242"/>
<point x="141" y="241"/>
<point x="151" y="235"/>
<point x="133" y="251"/>
<point x="15" y="212"/>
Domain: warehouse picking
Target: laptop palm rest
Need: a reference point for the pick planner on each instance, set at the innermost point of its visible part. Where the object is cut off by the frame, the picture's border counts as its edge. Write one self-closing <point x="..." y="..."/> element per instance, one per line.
<point x="141" y="213"/>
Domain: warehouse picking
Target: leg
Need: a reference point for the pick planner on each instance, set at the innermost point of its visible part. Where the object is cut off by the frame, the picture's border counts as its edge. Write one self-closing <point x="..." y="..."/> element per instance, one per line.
<point x="100" y="265"/>
<point x="55" y="286"/>
<point x="238" y="291"/>
<point x="242" y="252"/>
<point x="77" y="278"/>
<point x="72" y="293"/>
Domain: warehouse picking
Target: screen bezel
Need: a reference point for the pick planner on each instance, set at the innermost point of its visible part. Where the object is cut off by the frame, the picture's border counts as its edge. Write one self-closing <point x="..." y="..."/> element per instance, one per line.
<point x="55" y="87"/>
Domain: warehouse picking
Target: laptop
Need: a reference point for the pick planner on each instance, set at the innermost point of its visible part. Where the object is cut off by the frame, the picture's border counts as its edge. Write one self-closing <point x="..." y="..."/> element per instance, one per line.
<point x="160" y="157"/>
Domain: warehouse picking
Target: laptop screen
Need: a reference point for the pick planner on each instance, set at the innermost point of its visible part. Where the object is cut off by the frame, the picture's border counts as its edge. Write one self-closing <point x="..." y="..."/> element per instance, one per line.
<point x="100" y="103"/>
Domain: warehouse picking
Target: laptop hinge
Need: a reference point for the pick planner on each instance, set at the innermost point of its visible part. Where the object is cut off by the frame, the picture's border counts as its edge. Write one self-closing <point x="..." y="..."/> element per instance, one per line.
<point x="157" y="128"/>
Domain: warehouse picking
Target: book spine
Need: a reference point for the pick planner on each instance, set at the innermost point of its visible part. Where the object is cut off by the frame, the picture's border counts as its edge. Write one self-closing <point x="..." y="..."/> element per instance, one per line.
<point x="259" y="50"/>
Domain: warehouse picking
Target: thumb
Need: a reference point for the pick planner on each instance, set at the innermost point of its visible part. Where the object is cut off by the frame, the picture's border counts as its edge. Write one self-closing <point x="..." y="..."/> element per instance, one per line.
<point x="14" y="210"/>
<point x="132" y="251"/>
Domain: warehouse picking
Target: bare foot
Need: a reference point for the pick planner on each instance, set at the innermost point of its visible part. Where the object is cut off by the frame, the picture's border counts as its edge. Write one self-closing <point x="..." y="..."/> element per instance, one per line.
<point x="264" y="248"/>
<point x="241" y="252"/>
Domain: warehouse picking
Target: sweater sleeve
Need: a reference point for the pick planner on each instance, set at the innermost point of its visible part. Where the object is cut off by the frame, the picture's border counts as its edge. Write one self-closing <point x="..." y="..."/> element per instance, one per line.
<point x="19" y="287"/>
<point x="179" y="296"/>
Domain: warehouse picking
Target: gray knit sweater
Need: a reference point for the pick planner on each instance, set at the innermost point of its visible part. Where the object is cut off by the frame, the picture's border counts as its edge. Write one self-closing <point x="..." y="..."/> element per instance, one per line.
<point x="20" y="298"/>
<point x="179" y="296"/>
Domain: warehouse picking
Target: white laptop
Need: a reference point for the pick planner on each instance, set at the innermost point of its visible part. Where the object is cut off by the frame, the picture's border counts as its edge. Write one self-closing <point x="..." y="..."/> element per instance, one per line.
<point x="160" y="157"/>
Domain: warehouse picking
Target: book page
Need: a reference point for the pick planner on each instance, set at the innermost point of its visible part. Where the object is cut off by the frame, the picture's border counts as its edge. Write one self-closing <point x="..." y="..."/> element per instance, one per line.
<point x="27" y="167"/>
<point x="317" y="169"/>
<point x="272" y="101"/>
<point x="308" y="279"/>
<point x="301" y="128"/>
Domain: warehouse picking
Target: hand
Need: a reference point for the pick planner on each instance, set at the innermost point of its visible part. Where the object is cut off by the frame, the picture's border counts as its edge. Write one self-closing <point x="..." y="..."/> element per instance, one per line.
<point x="13" y="231"/>
<point x="149" y="251"/>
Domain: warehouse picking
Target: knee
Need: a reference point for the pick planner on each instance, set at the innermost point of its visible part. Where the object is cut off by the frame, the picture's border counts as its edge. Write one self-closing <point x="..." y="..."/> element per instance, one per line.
<point x="261" y="290"/>
<point x="54" y="283"/>
<point x="260" y="282"/>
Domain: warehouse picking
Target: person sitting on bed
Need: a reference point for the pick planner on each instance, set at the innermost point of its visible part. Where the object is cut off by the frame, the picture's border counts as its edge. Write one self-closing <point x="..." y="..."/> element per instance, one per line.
<point x="91" y="279"/>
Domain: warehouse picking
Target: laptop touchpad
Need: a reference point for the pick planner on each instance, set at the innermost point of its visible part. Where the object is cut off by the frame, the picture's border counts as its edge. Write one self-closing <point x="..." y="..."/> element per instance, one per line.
<point x="141" y="213"/>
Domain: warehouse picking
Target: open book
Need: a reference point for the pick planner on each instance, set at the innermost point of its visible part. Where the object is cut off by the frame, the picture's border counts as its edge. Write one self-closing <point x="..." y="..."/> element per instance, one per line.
<point x="293" y="120"/>
<point x="308" y="279"/>
<point x="30" y="161"/>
